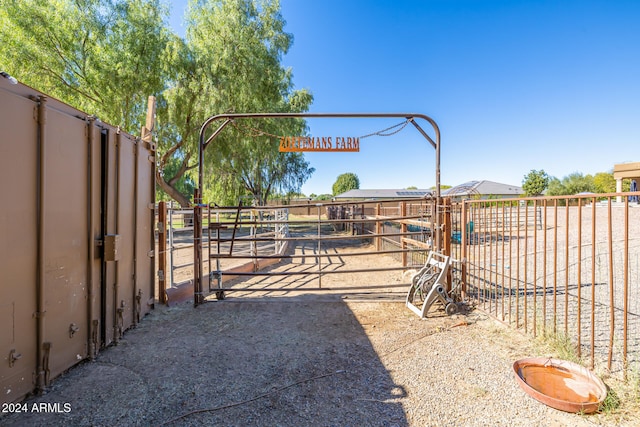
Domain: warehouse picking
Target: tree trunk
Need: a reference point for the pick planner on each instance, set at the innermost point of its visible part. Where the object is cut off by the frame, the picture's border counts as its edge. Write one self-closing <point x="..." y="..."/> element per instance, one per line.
<point x="172" y="192"/>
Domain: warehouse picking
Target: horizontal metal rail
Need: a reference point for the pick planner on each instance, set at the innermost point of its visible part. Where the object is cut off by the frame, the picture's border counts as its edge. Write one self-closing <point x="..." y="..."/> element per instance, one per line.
<point x="315" y="238"/>
<point x="416" y="200"/>
<point x="327" y="255"/>
<point x="307" y="273"/>
<point x="296" y="222"/>
<point x="300" y="289"/>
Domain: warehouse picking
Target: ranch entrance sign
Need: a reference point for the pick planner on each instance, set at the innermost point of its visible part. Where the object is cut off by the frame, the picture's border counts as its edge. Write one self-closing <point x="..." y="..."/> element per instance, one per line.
<point x="289" y="144"/>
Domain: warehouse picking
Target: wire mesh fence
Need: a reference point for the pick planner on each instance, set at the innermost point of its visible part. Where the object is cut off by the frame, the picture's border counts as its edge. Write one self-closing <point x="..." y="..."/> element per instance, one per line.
<point x="568" y="267"/>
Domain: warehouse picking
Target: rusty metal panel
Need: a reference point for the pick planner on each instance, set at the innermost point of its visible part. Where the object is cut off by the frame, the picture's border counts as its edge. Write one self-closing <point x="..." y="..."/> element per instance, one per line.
<point x="109" y="226"/>
<point x="18" y="248"/>
<point x="65" y="241"/>
<point x="72" y="181"/>
<point x="126" y="217"/>
<point x="145" y="238"/>
<point x="95" y="224"/>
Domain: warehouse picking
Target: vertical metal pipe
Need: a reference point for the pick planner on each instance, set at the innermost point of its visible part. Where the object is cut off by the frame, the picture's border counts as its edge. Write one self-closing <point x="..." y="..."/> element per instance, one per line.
<point x="197" y="249"/>
<point x="510" y="258"/>
<point x="91" y="244"/>
<point x="526" y="261"/>
<point x="319" y="259"/>
<point x="465" y="249"/>
<point x="484" y="255"/>
<point x="446" y="228"/>
<point x="502" y="283"/>
<point x="579" y="279"/>
<point x="378" y="227"/>
<point x="40" y="278"/>
<point x="535" y="266"/>
<point x="403" y="230"/>
<point x="137" y="303"/>
<point x="218" y="249"/>
<point x="209" y="244"/>
<point x="625" y="319"/>
<point x="492" y="285"/>
<point x="518" y="270"/>
<point x="474" y="239"/>
<point x="116" y="309"/>
<point x="544" y="268"/>
<point x="593" y="282"/>
<point x="612" y="317"/>
<point x="169" y="230"/>
<point x="152" y="223"/>
<point x="566" y="267"/>
<point x="555" y="263"/>
<point x="162" y="252"/>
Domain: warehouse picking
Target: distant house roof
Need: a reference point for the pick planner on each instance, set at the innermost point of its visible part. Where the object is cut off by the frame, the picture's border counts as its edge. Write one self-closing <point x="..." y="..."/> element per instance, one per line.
<point x="382" y="194"/>
<point x="471" y="188"/>
<point x="483" y="188"/>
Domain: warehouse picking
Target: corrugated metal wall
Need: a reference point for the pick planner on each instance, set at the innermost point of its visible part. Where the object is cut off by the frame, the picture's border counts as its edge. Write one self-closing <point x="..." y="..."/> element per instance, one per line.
<point x="76" y="237"/>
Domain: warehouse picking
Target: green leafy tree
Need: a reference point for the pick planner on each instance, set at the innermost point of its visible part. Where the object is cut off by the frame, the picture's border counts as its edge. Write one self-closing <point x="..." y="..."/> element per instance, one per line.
<point x="556" y="188"/>
<point x="345" y="182"/>
<point x="571" y="184"/>
<point x="231" y="61"/>
<point x="100" y="56"/>
<point x="107" y="56"/>
<point x="576" y="182"/>
<point x="535" y="182"/>
<point x="604" y="182"/>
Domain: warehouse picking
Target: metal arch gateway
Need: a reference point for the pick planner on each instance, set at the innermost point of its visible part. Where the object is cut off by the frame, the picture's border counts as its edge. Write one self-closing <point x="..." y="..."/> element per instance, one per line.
<point x="229" y="117"/>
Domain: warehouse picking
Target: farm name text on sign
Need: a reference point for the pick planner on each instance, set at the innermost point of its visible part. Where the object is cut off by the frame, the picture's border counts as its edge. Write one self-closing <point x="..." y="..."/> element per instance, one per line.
<point x="290" y="144"/>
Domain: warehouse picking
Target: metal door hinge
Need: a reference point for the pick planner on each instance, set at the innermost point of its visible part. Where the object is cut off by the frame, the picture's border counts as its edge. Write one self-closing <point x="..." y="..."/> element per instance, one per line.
<point x="13" y="357"/>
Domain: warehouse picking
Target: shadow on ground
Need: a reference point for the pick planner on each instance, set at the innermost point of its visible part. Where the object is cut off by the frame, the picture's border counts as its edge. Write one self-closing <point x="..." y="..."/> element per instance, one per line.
<point x="285" y="361"/>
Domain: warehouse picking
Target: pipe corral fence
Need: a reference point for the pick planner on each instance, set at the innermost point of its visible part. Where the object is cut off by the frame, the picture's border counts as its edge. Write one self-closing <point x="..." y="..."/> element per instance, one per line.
<point x="563" y="267"/>
<point x="243" y="242"/>
<point x="77" y="237"/>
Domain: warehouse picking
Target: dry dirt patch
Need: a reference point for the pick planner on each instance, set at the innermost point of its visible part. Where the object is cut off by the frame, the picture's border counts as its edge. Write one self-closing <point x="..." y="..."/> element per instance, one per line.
<point x="296" y="359"/>
<point x="305" y="360"/>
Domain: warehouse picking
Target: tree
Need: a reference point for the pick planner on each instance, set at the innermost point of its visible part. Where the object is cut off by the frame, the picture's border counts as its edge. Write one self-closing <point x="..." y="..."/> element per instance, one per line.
<point x="555" y="187"/>
<point x="535" y="182"/>
<point x="231" y="61"/>
<point x="324" y="197"/>
<point x="100" y="56"/>
<point x="576" y="182"/>
<point x="345" y="182"/>
<point x="107" y="56"/>
<point x="604" y="182"/>
<point x="571" y="184"/>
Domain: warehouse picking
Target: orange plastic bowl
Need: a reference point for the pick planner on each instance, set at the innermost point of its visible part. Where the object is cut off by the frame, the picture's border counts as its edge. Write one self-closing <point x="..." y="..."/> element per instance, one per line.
<point x="560" y="384"/>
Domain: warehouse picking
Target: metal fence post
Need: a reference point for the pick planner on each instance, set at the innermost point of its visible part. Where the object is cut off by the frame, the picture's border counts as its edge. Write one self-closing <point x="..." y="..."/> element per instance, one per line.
<point x="378" y="227"/>
<point x="319" y="205"/>
<point x="162" y="252"/>
<point x="403" y="230"/>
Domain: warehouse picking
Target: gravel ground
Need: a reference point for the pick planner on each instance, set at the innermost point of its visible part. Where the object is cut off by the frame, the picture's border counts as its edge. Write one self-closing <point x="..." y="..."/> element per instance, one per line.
<point x="319" y="360"/>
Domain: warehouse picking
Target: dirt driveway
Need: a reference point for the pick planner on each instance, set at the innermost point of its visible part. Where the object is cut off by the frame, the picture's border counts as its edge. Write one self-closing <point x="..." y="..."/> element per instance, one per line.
<point x="292" y="358"/>
<point x="298" y="361"/>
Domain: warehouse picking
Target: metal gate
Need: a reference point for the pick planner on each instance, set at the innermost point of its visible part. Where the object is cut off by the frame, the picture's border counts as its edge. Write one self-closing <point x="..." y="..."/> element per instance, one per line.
<point x="358" y="248"/>
<point x="323" y="219"/>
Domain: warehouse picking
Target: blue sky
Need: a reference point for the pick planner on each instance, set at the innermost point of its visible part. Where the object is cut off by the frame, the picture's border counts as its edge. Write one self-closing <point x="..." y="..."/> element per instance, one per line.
<point x="513" y="85"/>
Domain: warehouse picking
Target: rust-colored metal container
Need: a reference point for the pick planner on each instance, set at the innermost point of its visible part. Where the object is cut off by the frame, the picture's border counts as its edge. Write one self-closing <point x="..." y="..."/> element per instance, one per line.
<point x="560" y="384"/>
<point x="76" y="237"/>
